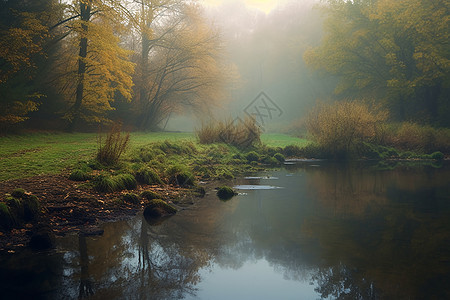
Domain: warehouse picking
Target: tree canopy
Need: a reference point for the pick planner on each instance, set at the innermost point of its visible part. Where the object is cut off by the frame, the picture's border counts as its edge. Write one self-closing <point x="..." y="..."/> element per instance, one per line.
<point x="395" y="51"/>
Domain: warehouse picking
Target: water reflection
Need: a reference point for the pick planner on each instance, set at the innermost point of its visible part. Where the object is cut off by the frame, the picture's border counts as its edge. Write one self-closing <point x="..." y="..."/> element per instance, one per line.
<point x="333" y="231"/>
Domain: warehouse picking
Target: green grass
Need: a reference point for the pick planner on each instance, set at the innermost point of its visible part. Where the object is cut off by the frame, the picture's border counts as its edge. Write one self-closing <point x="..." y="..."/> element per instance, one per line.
<point x="28" y="155"/>
<point x="282" y="140"/>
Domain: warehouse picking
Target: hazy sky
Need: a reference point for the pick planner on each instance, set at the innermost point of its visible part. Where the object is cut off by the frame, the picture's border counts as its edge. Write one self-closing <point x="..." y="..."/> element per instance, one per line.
<point x="263" y="5"/>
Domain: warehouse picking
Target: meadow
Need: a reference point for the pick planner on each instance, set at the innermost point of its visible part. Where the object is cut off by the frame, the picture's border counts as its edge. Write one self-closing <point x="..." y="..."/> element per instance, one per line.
<point x="32" y="154"/>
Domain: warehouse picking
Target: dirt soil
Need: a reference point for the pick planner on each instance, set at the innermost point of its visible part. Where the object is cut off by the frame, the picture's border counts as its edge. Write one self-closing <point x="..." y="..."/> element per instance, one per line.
<point x="70" y="206"/>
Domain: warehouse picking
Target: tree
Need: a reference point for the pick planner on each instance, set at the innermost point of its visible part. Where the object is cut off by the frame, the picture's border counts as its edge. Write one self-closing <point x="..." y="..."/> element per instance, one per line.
<point x="396" y="51"/>
<point x="23" y="34"/>
<point x="186" y="69"/>
<point x="93" y="66"/>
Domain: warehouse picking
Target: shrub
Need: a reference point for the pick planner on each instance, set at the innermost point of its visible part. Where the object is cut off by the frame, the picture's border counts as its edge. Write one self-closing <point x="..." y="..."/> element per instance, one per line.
<point x="168" y="147"/>
<point x="18" y="193"/>
<point x="272" y="161"/>
<point x="179" y="175"/>
<point x="280" y="157"/>
<point x="150" y="195"/>
<point x="131" y="198"/>
<point x="237" y="156"/>
<point x="104" y="183"/>
<point x="252" y="156"/>
<point x="239" y="133"/>
<point x="79" y="175"/>
<point x="374" y="151"/>
<point x="145" y="154"/>
<point x="293" y="151"/>
<point x="415" y="137"/>
<point x="341" y="126"/>
<point x="225" y="192"/>
<point x="30" y="207"/>
<point x="437" y="155"/>
<point x="125" y="181"/>
<point x="15" y="207"/>
<point x="407" y="154"/>
<point x="115" y="145"/>
<point x="148" y="176"/>
<point x="6" y="220"/>
<point x="227" y="175"/>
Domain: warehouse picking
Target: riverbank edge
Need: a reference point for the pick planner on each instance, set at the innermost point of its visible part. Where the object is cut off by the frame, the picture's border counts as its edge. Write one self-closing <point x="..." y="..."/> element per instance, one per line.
<point x="69" y="206"/>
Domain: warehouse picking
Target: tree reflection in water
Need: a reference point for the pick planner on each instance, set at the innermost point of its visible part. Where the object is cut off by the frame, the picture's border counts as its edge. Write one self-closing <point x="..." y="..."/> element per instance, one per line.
<point x="164" y="272"/>
<point x="85" y="282"/>
<point x="353" y="232"/>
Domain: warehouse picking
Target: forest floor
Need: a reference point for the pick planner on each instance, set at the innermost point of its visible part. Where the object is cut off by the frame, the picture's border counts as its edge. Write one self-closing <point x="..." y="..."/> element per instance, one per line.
<point x="67" y="207"/>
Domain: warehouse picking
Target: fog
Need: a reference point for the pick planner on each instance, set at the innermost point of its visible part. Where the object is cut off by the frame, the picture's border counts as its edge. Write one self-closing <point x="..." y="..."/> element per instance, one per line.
<point x="265" y="48"/>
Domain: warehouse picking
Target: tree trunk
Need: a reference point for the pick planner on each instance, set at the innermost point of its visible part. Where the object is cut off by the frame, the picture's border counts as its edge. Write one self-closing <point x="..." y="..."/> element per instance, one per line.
<point x="85" y="15"/>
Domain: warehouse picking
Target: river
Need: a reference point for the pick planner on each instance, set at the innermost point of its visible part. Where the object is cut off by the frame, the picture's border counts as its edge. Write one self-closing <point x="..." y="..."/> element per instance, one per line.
<point x="316" y="230"/>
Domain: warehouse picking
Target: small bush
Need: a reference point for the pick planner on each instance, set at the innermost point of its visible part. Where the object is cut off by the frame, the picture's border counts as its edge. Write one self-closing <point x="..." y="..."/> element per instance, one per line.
<point x="179" y="175"/>
<point x="106" y="184"/>
<point x="125" y="181"/>
<point x="30" y="207"/>
<point x="252" y="156"/>
<point x="6" y="220"/>
<point x="272" y="161"/>
<point x="280" y="157"/>
<point x="239" y="133"/>
<point x="79" y="175"/>
<point x="225" y="192"/>
<point x="15" y="207"/>
<point x="373" y="151"/>
<point x="18" y="193"/>
<point x="146" y="154"/>
<point x="342" y="126"/>
<point x="407" y="154"/>
<point x="415" y="137"/>
<point x="293" y="151"/>
<point x="227" y="175"/>
<point x="150" y="195"/>
<point x="168" y="147"/>
<point x="237" y="156"/>
<point x="131" y="198"/>
<point x="437" y="155"/>
<point x="115" y="145"/>
<point x="148" y="176"/>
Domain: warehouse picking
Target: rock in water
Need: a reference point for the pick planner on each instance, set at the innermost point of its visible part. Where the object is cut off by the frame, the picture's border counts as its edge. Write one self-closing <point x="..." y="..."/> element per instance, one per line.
<point x="158" y="208"/>
<point x="42" y="239"/>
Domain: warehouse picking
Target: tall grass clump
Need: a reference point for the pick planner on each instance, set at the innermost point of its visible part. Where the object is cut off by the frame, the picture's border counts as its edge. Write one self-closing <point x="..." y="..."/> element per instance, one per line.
<point x="180" y="175"/>
<point x="114" y="146"/>
<point x="240" y="133"/>
<point x="339" y="128"/>
<point x="146" y="175"/>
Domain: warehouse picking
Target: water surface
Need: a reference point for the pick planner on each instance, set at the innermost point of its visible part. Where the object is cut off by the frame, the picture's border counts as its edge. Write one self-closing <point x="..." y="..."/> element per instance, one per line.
<point x="330" y="231"/>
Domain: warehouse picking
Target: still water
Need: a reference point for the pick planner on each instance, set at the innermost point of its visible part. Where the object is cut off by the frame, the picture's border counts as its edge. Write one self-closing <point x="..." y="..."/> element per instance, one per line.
<point x="324" y="231"/>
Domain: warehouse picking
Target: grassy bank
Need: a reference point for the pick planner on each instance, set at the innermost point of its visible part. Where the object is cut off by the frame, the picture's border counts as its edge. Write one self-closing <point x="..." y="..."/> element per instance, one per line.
<point x="28" y="155"/>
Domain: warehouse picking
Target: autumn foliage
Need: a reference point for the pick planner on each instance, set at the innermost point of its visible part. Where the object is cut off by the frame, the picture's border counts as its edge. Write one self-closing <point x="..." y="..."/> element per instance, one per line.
<point x="341" y="126"/>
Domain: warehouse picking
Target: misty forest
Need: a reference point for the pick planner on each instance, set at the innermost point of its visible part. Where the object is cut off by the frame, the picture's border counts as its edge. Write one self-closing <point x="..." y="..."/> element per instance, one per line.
<point x="224" y="149"/>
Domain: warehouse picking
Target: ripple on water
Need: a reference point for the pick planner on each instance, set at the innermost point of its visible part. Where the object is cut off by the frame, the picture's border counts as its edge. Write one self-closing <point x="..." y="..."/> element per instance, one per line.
<point x="256" y="187"/>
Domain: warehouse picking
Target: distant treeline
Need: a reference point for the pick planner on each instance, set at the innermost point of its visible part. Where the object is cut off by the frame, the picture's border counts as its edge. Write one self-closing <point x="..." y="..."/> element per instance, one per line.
<point x="74" y="64"/>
